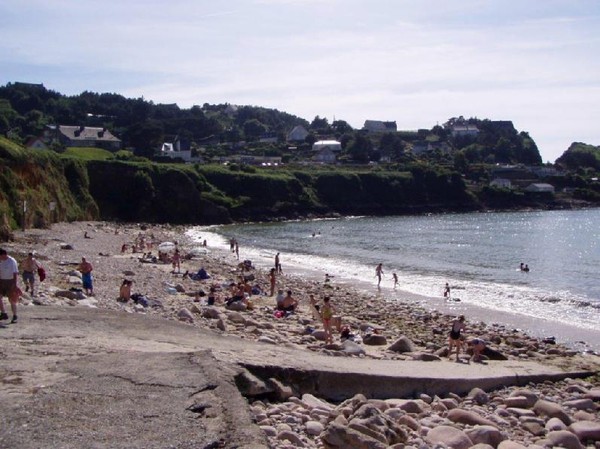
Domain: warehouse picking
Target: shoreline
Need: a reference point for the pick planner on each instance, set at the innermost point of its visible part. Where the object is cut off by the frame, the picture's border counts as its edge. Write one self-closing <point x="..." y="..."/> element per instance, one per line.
<point x="577" y="338"/>
<point x="287" y="419"/>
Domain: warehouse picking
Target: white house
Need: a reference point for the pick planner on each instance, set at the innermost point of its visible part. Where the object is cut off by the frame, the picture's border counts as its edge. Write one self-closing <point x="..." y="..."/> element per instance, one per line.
<point x="502" y="183"/>
<point x="169" y="150"/>
<point x="540" y="188"/>
<point x="333" y="145"/>
<point x="298" y="134"/>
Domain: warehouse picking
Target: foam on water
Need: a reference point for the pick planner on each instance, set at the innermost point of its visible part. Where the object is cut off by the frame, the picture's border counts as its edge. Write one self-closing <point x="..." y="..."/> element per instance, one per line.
<point x="510" y="298"/>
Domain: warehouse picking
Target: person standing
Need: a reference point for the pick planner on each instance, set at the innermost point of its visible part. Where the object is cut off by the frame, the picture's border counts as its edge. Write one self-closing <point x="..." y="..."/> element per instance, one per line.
<point x="9" y="273"/>
<point x="272" y="280"/>
<point x="327" y="311"/>
<point x="86" y="276"/>
<point x="277" y="263"/>
<point x="379" y="273"/>
<point x="395" y="276"/>
<point x="30" y="267"/>
<point x="454" y="339"/>
<point x="447" y="291"/>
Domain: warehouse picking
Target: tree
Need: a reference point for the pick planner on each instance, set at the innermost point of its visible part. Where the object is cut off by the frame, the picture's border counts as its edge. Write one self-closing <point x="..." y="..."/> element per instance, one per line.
<point x="253" y="129"/>
<point x="361" y="147"/>
<point x="319" y="124"/>
<point x="146" y="137"/>
<point x="341" y="127"/>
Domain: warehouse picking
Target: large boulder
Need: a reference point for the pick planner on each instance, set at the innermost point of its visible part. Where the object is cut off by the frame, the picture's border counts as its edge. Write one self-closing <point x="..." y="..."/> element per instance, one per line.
<point x="586" y="430"/>
<point x="552" y="410"/>
<point x="530" y="397"/>
<point x="564" y="438"/>
<point x="402" y="344"/>
<point x="350" y="347"/>
<point x="485" y="435"/>
<point x="462" y="416"/>
<point x="375" y="340"/>
<point x="450" y="436"/>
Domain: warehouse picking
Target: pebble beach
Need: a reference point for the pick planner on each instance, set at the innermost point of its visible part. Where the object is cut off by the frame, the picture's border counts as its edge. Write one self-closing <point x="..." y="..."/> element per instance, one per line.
<point x="552" y="414"/>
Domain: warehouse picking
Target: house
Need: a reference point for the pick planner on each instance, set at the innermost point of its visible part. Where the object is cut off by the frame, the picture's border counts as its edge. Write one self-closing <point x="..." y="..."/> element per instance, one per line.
<point x="502" y="183"/>
<point x="36" y="143"/>
<point x="325" y="156"/>
<point x="464" y="130"/>
<point x="297" y="134"/>
<point x="333" y="145"/>
<point x="377" y="126"/>
<point x="540" y="188"/>
<point x="175" y="150"/>
<point x="83" y="136"/>
<point x="423" y="146"/>
<point x="268" y="138"/>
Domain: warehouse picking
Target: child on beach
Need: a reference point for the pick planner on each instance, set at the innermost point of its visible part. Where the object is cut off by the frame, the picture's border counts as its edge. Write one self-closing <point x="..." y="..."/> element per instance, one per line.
<point x="327" y="311"/>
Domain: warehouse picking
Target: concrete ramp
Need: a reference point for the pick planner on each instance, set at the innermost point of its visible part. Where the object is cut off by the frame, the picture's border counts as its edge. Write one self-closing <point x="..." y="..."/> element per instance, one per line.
<point x="383" y="379"/>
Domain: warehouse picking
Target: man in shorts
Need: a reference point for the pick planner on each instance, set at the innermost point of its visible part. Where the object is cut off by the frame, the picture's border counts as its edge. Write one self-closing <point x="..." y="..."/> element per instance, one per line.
<point x="9" y="273"/>
<point x="30" y="268"/>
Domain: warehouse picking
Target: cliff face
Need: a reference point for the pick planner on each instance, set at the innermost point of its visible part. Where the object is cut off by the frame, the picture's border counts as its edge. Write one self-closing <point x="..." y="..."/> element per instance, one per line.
<point x="59" y="188"/>
<point x="40" y="188"/>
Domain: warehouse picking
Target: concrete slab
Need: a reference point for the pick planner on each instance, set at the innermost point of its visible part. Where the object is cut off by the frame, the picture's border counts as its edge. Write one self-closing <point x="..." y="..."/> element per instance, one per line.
<point x="82" y="377"/>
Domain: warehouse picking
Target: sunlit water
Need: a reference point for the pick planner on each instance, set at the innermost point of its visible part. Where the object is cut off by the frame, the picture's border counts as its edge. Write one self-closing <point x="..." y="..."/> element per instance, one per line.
<point x="478" y="254"/>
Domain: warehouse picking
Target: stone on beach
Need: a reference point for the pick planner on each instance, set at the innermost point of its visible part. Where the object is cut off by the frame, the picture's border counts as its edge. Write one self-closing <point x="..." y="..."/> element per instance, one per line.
<point x="402" y="344"/>
<point x="450" y="436"/>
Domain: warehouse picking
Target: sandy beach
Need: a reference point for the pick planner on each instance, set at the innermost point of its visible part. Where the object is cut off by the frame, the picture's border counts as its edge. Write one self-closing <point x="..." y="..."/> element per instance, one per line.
<point x="383" y="330"/>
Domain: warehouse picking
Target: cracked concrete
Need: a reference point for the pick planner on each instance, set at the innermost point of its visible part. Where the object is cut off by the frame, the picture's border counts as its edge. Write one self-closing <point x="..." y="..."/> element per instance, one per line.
<point x="80" y="377"/>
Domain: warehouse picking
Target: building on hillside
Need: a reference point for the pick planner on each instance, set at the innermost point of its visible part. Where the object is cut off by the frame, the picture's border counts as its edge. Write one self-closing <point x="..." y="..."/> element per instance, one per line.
<point x="464" y="130"/>
<point x="540" y="188"/>
<point x="501" y="183"/>
<point x="378" y="126"/>
<point x="422" y="146"/>
<point x="82" y="136"/>
<point x="268" y="138"/>
<point x="325" y="156"/>
<point x="297" y="134"/>
<point x="543" y="171"/>
<point x="36" y="143"/>
<point x="179" y="149"/>
<point x="333" y="145"/>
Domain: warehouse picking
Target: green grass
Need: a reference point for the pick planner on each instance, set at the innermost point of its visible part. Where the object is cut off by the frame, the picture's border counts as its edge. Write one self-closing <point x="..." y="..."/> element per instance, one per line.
<point x="87" y="154"/>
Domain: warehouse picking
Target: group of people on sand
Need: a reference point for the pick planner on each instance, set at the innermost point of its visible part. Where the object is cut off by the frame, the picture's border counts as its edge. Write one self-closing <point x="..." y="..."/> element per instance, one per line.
<point x="9" y="276"/>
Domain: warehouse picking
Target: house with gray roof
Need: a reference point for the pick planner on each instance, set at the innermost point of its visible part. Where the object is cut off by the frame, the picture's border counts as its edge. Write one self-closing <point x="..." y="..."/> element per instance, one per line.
<point x="84" y="136"/>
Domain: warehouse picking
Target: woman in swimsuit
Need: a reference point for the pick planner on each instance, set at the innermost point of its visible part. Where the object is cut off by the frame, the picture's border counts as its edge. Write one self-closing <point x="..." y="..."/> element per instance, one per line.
<point x="454" y="339"/>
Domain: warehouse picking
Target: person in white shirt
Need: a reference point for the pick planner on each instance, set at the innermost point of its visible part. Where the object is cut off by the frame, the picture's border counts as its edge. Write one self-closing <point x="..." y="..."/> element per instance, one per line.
<point x="9" y="273"/>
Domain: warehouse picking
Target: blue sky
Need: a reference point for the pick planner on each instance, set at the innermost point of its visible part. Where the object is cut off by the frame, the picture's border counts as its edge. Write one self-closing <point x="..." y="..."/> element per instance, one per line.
<point x="417" y="62"/>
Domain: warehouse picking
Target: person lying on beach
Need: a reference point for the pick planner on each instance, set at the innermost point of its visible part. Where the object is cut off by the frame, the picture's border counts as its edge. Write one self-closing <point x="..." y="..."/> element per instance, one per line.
<point x="477" y="346"/>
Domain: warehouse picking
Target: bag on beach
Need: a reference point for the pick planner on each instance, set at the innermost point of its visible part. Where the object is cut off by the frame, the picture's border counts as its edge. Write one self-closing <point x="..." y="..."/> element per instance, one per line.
<point x="41" y="273"/>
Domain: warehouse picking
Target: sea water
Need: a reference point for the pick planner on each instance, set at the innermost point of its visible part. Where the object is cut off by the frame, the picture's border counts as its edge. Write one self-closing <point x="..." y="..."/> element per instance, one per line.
<point x="477" y="254"/>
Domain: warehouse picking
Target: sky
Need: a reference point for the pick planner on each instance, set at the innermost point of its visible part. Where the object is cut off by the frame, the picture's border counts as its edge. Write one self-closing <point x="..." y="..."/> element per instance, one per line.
<point x="416" y="62"/>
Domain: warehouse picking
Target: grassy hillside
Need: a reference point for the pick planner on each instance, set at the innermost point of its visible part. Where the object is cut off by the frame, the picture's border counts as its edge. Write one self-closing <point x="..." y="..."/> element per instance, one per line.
<point x="53" y="189"/>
